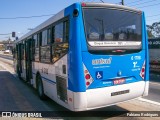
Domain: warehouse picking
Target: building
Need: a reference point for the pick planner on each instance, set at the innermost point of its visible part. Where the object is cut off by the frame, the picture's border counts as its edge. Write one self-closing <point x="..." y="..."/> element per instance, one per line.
<point x="6" y="45"/>
<point x="2" y="47"/>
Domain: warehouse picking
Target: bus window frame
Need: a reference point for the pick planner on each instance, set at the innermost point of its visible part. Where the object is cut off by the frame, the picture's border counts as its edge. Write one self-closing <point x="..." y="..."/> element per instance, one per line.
<point x="110" y="49"/>
<point x="63" y="20"/>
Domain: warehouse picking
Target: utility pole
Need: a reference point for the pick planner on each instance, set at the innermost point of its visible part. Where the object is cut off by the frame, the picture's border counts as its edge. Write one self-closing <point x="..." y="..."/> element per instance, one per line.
<point x="9" y="40"/>
<point x="122" y="2"/>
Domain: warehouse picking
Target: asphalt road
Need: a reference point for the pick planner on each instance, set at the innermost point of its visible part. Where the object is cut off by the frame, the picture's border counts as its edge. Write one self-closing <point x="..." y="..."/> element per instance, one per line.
<point x="154" y="88"/>
<point x="9" y="57"/>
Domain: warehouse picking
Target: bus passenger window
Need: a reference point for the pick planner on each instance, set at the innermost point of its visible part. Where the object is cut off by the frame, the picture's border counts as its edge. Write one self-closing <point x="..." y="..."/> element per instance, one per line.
<point x="49" y="36"/>
<point x="44" y="38"/>
<point x="58" y="34"/>
<point x="61" y="36"/>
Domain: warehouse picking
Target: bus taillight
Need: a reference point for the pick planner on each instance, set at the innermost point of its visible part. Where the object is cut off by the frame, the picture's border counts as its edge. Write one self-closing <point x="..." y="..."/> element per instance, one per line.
<point x="142" y="73"/>
<point x="87" y="83"/>
<point x="87" y="76"/>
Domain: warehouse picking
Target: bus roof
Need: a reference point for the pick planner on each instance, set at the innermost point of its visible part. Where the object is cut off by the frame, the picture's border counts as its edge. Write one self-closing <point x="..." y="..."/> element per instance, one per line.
<point x="60" y="15"/>
<point x="108" y="5"/>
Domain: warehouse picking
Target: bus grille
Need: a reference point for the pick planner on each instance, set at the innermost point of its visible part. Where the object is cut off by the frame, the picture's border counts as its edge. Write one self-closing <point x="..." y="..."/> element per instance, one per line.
<point x="61" y="88"/>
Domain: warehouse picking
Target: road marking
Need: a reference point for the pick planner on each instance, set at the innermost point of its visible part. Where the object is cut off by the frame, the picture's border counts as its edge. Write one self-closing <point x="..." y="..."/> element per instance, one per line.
<point x="149" y="101"/>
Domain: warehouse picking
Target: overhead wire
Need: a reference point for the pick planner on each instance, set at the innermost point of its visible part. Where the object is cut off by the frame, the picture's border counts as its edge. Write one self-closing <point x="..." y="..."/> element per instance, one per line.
<point x="149" y="5"/>
<point x="153" y="15"/>
<point x="27" y="17"/>
<point x="134" y="2"/>
<point x="144" y="2"/>
<point x="138" y="4"/>
<point x="6" y="34"/>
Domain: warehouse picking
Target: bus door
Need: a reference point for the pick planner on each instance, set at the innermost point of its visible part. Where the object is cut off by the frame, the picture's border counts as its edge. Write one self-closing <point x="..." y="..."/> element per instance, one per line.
<point x="28" y="60"/>
<point x="19" y="63"/>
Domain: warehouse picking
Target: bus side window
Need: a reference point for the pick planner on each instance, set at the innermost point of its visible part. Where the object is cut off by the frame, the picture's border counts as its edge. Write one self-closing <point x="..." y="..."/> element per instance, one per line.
<point x="66" y="31"/>
<point x="36" y="51"/>
<point x="58" y="33"/>
<point x="22" y="51"/>
<point x="61" y="36"/>
<point x="49" y="36"/>
<point x="45" y="48"/>
<point x="44" y="38"/>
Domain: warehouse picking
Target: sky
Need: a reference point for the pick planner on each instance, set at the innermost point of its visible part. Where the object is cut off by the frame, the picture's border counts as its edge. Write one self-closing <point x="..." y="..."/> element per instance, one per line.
<point x="12" y="13"/>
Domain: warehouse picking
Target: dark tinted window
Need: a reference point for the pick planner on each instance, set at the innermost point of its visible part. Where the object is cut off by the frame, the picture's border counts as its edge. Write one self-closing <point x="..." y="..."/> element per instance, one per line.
<point x="49" y="36"/>
<point x="36" y="40"/>
<point x="112" y="25"/>
<point x="44" y="37"/>
<point x="66" y="31"/>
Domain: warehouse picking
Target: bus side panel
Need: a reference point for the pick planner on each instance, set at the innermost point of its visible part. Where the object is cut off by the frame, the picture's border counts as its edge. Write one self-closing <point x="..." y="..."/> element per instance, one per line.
<point x="145" y="37"/>
<point x="76" y="81"/>
<point x="145" y="40"/>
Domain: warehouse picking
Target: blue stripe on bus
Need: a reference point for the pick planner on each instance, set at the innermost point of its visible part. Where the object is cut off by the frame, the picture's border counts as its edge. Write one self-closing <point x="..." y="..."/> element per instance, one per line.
<point x="48" y="80"/>
<point x="146" y="48"/>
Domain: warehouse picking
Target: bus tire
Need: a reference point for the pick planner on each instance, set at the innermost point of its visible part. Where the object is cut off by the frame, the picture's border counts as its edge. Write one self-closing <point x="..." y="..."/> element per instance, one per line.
<point x="40" y="89"/>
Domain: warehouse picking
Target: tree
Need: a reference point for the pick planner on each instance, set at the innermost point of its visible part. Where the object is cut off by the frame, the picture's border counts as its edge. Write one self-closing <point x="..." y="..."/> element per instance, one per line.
<point x="156" y="29"/>
<point x="149" y="31"/>
<point x="153" y="30"/>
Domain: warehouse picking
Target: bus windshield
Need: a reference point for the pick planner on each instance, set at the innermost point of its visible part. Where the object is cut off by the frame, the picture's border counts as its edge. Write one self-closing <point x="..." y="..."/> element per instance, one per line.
<point x="112" y="27"/>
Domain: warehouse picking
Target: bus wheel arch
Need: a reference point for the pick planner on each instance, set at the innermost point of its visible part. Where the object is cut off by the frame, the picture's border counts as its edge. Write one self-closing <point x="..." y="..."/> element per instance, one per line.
<point x="39" y="86"/>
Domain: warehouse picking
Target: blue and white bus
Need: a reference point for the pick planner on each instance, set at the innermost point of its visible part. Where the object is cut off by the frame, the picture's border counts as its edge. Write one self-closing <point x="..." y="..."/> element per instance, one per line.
<point x="87" y="56"/>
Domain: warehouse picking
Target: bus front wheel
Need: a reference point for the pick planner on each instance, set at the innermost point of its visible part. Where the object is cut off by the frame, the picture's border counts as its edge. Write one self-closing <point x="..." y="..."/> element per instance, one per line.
<point x="40" y="88"/>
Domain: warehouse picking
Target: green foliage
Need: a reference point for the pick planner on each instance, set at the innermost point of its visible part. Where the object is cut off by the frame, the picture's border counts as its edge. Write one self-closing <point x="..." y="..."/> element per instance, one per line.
<point x="153" y="30"/>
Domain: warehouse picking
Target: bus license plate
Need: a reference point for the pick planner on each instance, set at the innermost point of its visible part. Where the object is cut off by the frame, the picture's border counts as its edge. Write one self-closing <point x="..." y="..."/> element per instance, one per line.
<point x="119" y="81"/>
<point x="120" y="92"/>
